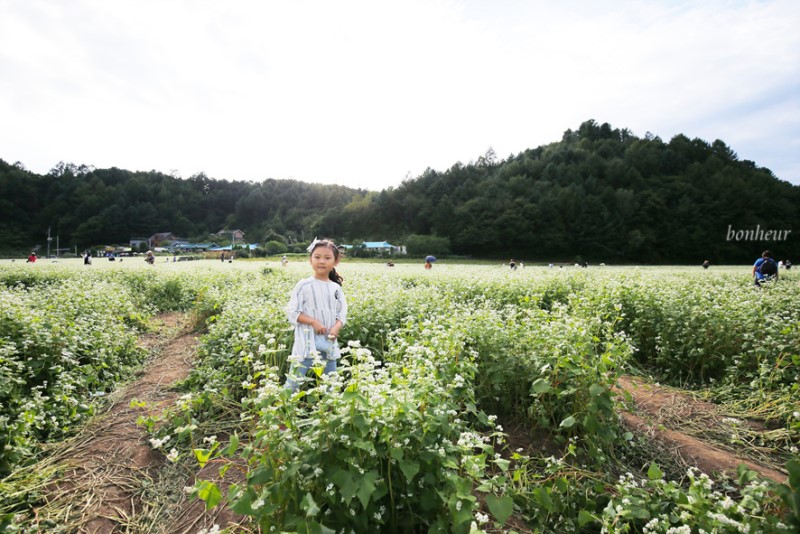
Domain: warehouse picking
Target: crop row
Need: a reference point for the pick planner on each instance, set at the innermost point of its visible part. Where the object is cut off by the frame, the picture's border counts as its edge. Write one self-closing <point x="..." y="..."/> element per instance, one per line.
<point x="548" y="350"/>
<point x="408" y="432"/>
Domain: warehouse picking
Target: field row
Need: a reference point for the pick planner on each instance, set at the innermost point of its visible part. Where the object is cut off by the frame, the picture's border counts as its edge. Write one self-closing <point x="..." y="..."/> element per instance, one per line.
<point x="406" y="435"/>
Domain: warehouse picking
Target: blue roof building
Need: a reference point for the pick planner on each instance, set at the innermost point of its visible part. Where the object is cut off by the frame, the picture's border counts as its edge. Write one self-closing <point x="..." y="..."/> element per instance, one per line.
<point x="377" y="245"/>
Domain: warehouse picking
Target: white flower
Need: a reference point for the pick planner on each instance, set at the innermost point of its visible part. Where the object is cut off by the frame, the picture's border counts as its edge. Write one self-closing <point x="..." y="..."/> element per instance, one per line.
<point x="482" y="518"/>
<point x="173" y="455"/>
<point x="158" y="443"/>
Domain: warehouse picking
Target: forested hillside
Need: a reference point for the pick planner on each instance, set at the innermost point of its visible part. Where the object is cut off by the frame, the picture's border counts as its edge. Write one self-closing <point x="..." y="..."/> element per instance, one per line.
<point x="599" y="194"/>
<point x="88" y="207"/>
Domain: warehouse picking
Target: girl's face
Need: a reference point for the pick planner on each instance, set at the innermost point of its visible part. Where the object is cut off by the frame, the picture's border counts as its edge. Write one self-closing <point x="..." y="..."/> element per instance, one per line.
<point x="322" y="262"/>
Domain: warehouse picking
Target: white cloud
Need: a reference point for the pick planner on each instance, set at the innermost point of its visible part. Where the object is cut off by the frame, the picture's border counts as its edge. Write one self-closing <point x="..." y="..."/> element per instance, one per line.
<point x="361" y="93"/>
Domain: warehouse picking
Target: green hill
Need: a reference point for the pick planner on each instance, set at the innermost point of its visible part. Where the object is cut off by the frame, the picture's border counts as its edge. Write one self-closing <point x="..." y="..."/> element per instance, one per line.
<point x="598" y="194"/>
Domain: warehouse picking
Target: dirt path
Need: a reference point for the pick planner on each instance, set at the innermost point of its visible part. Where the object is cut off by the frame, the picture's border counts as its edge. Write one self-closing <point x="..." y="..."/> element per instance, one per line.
<point x="109" y="473"/>
<point x="662" y="412"/>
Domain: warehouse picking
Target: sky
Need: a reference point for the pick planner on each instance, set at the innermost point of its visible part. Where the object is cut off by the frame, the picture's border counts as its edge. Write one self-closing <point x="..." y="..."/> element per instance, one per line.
<point x="370" y="93"/>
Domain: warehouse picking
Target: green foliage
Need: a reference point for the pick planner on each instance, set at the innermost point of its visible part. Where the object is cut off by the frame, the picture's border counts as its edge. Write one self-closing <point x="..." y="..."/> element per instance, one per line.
<point x="421" y="245"/>
<point x="406" y="434"/>
<point x="276" y="247"/>
<point x="657" y="505"/>
<point x="600" y="193"/>
<point x="61" y="345"/>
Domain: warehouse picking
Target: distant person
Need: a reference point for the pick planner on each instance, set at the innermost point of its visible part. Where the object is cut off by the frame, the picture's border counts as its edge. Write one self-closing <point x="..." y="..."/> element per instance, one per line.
<point x="428" y="265"/>
<point x="31" y="258"/>
<point x="150" y="258"/>
<point x="318" y="310"/>
<point x="787" y="264"/>
<point x="284" y="261"/>
<point x="87" y="258"/>
<point x="706" y="264"/>
<point x="521" y="265"/>
<point x="765" y="268"/>
<point x="512" y="264"/>
<point x="222" y="257"/>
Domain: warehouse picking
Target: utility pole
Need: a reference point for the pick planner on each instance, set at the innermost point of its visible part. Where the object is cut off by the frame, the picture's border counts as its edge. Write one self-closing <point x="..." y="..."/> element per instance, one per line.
<point x="48" y="241"/>
<point x="57" y="243"/>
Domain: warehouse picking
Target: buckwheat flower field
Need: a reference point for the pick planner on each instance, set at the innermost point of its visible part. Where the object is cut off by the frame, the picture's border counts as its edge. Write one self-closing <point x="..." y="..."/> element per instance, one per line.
<point x="469" y="398"/>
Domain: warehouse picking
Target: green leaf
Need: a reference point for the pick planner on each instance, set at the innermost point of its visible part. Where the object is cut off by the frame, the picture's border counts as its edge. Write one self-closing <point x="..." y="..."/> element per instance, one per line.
<point x="502" y="464"/>
<point x="209" y="493"/>
<point x="584" y="518"/>
<point x="542" y="496"/>
<point x="362" y="424"/>
<point x="367" y="487"/>
<point x="596" y="389"/>
<point x="639" y="513"/>
<point x="259" y="476"/>
<point x="242" y="505"/>
<point x="540" y="385"/>
<point x="654" y="473"/>
<point x="461" y="513"/>
<point x="346" y="483"/>
<point x="567" y="423"/>
<point x="202" y="456"/>
<point x="409" y="468"/>
<point x="500" y="507"/>
<point x="317" y="528"/>
<point x="793" y="466"/>
<point x="233" y="444"/>
<point x="309" y="505"/>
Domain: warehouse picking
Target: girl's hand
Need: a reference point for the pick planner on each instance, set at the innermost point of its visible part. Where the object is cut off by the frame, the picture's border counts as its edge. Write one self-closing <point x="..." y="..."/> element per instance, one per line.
<point x="318" y="327"/>
<point x="334" y="331"/>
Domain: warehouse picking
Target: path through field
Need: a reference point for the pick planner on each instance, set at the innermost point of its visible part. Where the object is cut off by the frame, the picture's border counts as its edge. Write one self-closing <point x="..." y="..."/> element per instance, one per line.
<point x="111" y="479"/>
<point x="665" y="416"/>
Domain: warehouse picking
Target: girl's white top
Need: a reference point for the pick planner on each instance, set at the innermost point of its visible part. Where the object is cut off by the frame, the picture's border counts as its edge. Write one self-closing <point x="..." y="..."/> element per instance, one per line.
<point x="322" y="300"/>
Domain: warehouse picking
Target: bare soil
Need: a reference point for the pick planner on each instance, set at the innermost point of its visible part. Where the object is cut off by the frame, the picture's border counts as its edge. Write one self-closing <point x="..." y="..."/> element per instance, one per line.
<point x="663" y="414"/>
<point x="109" y="468"/>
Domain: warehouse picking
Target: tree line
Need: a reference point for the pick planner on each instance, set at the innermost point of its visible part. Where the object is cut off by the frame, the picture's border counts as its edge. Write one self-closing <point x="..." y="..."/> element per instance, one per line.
<point x="598" y="194"/>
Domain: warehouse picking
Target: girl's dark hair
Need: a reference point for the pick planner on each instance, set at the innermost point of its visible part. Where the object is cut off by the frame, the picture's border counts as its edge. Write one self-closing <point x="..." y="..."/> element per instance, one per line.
<point x="333" y="275"/>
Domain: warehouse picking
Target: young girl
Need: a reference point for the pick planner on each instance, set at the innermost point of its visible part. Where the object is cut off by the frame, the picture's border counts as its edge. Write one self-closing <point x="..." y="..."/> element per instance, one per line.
<point x="317" y="309"/>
